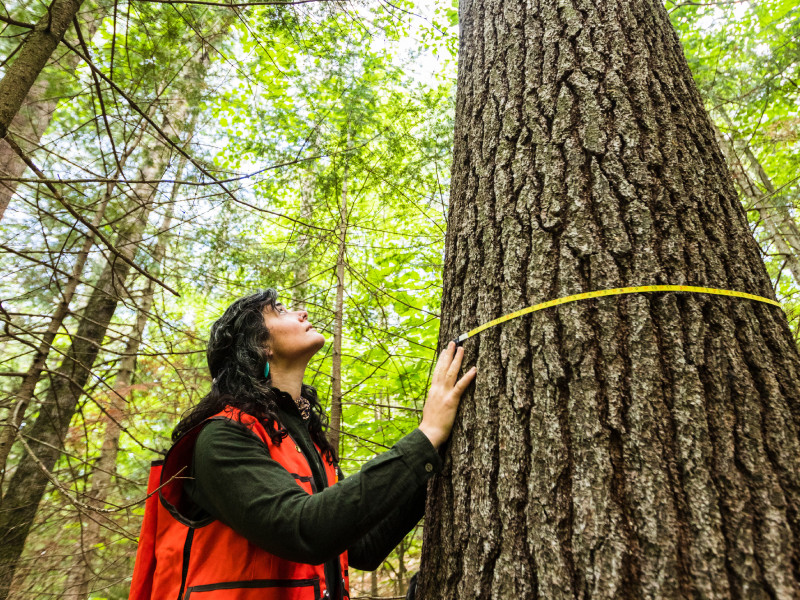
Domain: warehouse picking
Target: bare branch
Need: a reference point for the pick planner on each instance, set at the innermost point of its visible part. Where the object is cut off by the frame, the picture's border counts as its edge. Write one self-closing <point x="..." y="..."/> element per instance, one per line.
<point x="16" y="23"/>
<point x="80" y="218"/>
<point x="178" y="148"/>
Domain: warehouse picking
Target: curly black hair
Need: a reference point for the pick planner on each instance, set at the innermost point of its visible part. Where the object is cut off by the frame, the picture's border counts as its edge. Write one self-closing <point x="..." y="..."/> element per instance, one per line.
<point x="237" y="355"/>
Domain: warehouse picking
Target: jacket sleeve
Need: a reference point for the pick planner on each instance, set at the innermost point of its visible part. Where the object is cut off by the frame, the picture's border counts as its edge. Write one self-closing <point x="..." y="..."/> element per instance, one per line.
<point x="237" y="482"/>
<point x="369" y="551"/>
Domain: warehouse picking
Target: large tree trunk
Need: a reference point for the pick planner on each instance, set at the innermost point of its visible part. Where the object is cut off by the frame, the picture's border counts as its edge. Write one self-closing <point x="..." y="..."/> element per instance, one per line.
<point x="39" y="44"/>
<point x="639" y="446"/>
<point x="33" y="118"/>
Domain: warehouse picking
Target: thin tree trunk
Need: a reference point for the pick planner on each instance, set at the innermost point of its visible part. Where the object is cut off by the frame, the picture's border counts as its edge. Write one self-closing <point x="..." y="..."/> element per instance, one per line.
<point x="32" y="120"/>
<point x="32" y="57"/>
<point x="772" y="209"/>
<point x="777" y="205"/>
<point x="780" y="224"/>
<point x="79" y="575"/>
<point x="373" y="581"/>
<point x="300" y="287"/>
<point x="336" y="367"/>
<point x="639" y="446"/>
<point x="25" y="392"/>
<point x="46" y="434"/>
<point x="401" y="569"/>
<point x="27" y="485"/>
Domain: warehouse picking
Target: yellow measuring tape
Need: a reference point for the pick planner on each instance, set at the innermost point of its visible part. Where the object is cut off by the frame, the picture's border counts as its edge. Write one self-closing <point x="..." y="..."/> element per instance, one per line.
<point x="612" y="292"/>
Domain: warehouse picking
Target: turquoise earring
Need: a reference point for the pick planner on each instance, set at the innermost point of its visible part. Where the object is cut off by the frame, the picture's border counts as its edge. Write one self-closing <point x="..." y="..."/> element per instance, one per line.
<point x="266" y="371"/>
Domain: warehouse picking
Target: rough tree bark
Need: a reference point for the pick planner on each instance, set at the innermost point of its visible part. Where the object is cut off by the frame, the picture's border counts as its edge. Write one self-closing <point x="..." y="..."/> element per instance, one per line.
<point x="33" y="118"/>
<point x="641" y="446"/>
<point x="39" y="44"/>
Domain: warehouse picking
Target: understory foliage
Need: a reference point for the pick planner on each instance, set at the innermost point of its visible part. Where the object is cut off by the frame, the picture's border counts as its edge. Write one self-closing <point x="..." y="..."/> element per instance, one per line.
<point x="253" y="139"/>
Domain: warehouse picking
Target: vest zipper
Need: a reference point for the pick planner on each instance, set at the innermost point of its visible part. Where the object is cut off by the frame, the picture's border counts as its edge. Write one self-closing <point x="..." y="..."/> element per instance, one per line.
<point x="332" y="567"/>
<point x="187" y="552"/>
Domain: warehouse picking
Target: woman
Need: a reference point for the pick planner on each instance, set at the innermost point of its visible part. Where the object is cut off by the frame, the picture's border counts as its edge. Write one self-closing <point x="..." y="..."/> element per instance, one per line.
<point x="263" y="514"/>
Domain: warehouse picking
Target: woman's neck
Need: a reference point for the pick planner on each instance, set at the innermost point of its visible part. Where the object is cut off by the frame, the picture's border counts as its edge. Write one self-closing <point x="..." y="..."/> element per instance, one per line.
<point x="289" y="380"/>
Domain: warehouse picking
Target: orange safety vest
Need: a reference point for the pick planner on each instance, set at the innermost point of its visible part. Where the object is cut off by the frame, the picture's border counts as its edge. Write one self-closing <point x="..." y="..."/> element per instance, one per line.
<point x="180" y="559"/>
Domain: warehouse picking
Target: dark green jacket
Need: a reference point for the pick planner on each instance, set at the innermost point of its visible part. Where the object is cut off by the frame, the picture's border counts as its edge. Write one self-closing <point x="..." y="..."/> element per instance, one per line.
<point x="367" y="514"/>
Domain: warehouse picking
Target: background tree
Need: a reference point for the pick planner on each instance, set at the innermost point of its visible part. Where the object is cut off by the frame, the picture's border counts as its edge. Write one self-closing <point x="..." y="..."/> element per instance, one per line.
<point x="32" y="56"/>
<point x="745" y="59"/>
<point x="33" y="118"/>
<point x="49" y="431"/>
<point x="644" y="445"/>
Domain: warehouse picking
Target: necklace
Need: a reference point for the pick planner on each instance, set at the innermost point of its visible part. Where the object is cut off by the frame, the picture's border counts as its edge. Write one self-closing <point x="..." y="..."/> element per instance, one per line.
<point x="304" y="406"/>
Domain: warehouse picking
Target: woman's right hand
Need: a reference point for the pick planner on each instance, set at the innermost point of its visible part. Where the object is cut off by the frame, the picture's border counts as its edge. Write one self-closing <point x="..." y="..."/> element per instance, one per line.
<point x="444" y="396"/>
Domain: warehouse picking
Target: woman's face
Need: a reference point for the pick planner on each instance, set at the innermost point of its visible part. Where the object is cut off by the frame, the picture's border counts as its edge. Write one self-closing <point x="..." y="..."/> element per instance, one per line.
<point x="292" y="337"/>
